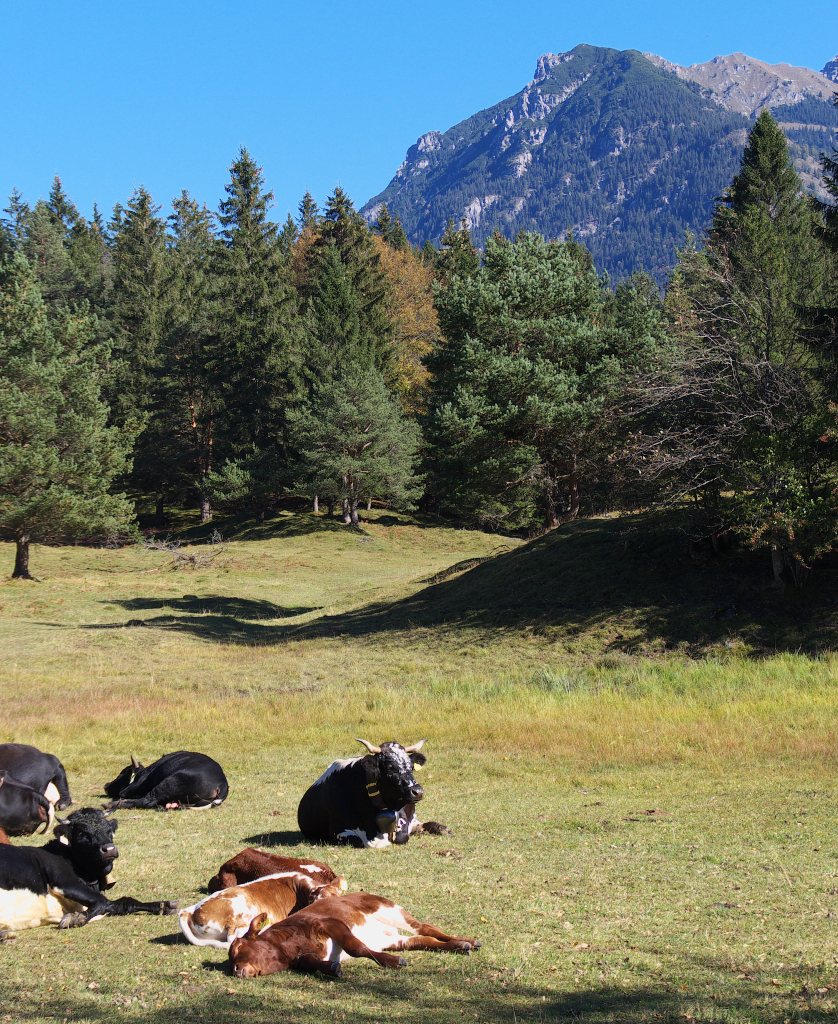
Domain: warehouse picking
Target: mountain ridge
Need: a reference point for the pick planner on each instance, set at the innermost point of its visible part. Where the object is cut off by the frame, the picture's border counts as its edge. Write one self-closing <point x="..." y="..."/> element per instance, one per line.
<point x="627" y="151"/>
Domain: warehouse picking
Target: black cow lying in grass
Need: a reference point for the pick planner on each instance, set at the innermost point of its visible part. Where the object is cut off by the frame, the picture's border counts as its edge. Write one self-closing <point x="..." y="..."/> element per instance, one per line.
<point x="179" y="780"/>
<point x="43" y="772"/>
<point x="367" y="801"/>
<point x="61" y="883"/>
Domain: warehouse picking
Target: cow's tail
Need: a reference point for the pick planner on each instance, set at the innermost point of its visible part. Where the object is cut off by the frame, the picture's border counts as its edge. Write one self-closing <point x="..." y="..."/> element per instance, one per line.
<point x="197" y="935"/>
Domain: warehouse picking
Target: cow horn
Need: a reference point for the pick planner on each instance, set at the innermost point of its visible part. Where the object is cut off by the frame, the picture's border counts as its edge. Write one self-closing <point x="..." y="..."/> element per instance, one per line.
<point x="414" y="748"/>
<point x="369" y="746"/>
<point x="135" y="762"/>
<point x="50" y="820"/>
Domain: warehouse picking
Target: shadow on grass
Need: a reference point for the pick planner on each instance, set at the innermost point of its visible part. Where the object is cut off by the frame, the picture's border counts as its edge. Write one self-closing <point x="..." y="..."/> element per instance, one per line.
<point x="412" y="994"/>
<point x="630" y="585"/>
<point x="233" y="607"/>
<point x="268" y="839"/>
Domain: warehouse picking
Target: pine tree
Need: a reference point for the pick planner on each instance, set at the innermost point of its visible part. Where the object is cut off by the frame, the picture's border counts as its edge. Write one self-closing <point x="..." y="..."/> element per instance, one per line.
<point x="309" y="218"/>
<point x="58" y="456"/>
<point x="343" y="227"/>
<point x="458" y="254"/>
<point x="523" y="383"/>
<point x="255" y="343"/>
<point x="354" y="444"/>
<point x="187" y="400"/>
<point x="746" y="412"/>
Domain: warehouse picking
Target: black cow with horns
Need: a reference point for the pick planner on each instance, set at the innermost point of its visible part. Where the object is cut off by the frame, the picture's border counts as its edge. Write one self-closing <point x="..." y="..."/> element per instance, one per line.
<point x="62" y="882"/>
<point x="179" y="780"/>
<point x="367" y="801"/>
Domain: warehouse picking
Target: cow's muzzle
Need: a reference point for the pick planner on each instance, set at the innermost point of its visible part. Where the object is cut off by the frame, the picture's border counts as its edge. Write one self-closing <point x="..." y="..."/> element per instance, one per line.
<point x="416" y="793"/>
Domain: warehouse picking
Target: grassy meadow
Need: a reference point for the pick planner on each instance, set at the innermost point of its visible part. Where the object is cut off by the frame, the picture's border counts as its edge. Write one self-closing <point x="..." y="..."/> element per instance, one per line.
<point x="635" y="750"/>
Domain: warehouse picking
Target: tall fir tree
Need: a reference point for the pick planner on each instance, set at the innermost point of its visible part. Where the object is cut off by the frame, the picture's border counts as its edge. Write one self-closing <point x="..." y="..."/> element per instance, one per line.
<point x="255" y="343"/>
<point x="139" y="311"/>
<point x="58" y="456"/>
<point x="344" y="228"/>
<point x="744" y="414"/>
<point x="187" y="399"/>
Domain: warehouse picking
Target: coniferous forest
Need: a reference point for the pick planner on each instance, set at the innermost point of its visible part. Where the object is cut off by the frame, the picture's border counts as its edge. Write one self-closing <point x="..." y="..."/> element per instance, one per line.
<point x="218" y="361"/>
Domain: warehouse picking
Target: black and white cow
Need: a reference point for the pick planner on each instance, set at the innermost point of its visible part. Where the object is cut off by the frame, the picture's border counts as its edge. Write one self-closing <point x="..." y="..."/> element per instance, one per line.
<point x="179" y="780"/>
<point x="367" y="801"/>
<point x="41" y="771"/>
<point x="22" y="809"/>
<point x="60" y="883"/>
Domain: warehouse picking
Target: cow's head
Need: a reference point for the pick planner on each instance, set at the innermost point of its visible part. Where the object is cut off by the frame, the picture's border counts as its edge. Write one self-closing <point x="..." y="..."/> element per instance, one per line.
<point x="88" y="835"/>
<point x="252" y="955"/>
<point x="115" y="789"/>
<point x="394" y="766"/>
<point x="22" y="809"/>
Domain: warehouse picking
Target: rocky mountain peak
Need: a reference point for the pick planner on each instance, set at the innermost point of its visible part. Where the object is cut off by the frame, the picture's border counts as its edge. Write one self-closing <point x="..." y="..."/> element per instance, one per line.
<point x="746" y="85"/>
<point x="830" y="69"/>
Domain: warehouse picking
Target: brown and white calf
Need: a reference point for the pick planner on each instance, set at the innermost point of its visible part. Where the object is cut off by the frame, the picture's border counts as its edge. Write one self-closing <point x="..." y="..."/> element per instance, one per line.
<point x="226" y="915"/>
<point x="251" y="864"/>
<point x="318" y="937"/>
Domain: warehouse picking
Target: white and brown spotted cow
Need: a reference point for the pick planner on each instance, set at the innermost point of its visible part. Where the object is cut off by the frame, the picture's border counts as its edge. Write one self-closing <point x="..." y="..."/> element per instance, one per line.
<point x="225" y="915"/>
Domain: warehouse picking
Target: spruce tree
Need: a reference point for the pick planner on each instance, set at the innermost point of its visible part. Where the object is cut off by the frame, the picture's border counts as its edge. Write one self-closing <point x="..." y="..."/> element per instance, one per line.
<point x="58" y="455"/>
<point x="746" y="411"/>
<point x="354" y="444"/>
<point x="343" y="227"/>
<point x="255" y="342"/>
<point x="187" y="400"/>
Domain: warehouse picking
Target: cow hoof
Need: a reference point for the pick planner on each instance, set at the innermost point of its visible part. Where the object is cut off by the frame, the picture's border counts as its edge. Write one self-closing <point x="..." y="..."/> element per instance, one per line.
<point x="476" y="944"/>
<point x="402" y="962"/>
<point x="73" y="920"/>
<point x="336" y="969"/>
<point x="169" y="907"/>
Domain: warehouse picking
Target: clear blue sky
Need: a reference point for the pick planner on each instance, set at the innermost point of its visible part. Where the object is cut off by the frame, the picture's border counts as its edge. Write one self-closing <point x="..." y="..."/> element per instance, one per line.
<point x="113" y="95"/>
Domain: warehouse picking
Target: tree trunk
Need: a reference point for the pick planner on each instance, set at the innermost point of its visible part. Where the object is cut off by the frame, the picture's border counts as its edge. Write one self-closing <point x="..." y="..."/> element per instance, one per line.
<point x="22" y="559"/>
<point x="346" y="516"/>
<point x="206" y="509"/>
<point x="158" y="511"/>
<point x="353" y="510"/>
<point x="777" y="561"/>
<point x="574" y="491"/>
<point x="330" y="508"/>
<point x="316" y="504"/>
<point x="369" y="504"/>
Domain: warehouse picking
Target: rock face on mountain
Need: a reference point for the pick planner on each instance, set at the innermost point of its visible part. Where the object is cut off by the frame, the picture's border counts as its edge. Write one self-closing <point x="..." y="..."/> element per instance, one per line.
<point x="741" y="83"/>
<point x="627" y="151"/>
<point x="830" y="69"/>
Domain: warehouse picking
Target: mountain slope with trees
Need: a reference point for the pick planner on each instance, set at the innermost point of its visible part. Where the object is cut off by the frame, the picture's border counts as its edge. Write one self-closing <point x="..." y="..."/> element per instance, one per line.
<point x="626" y="154"/>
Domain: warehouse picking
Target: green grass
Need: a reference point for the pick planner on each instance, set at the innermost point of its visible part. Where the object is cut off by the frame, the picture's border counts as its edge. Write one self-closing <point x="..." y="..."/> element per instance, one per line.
<point x="636" y="838"/>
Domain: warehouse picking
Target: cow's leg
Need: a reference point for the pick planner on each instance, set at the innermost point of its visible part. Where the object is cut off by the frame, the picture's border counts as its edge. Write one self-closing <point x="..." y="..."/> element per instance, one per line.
<point x="428" y="936"/>
<point x="342" y="935"/>
<point x="116" y="908"/>
<point x="452" y="945"/>
<point x="309" y="962"/>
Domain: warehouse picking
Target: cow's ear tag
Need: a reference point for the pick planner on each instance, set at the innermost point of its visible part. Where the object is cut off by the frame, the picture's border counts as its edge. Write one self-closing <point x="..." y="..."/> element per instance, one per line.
<point x="64" y="840"/>
<point x="417" y="766"/>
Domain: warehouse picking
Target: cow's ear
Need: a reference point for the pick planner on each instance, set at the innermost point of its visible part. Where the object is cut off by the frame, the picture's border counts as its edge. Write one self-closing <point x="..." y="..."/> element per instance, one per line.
<point x="114" y="824"/>
<point x="62" y="833"/>
<point x="256" y="925"/>
<point x="418" y="759"/>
